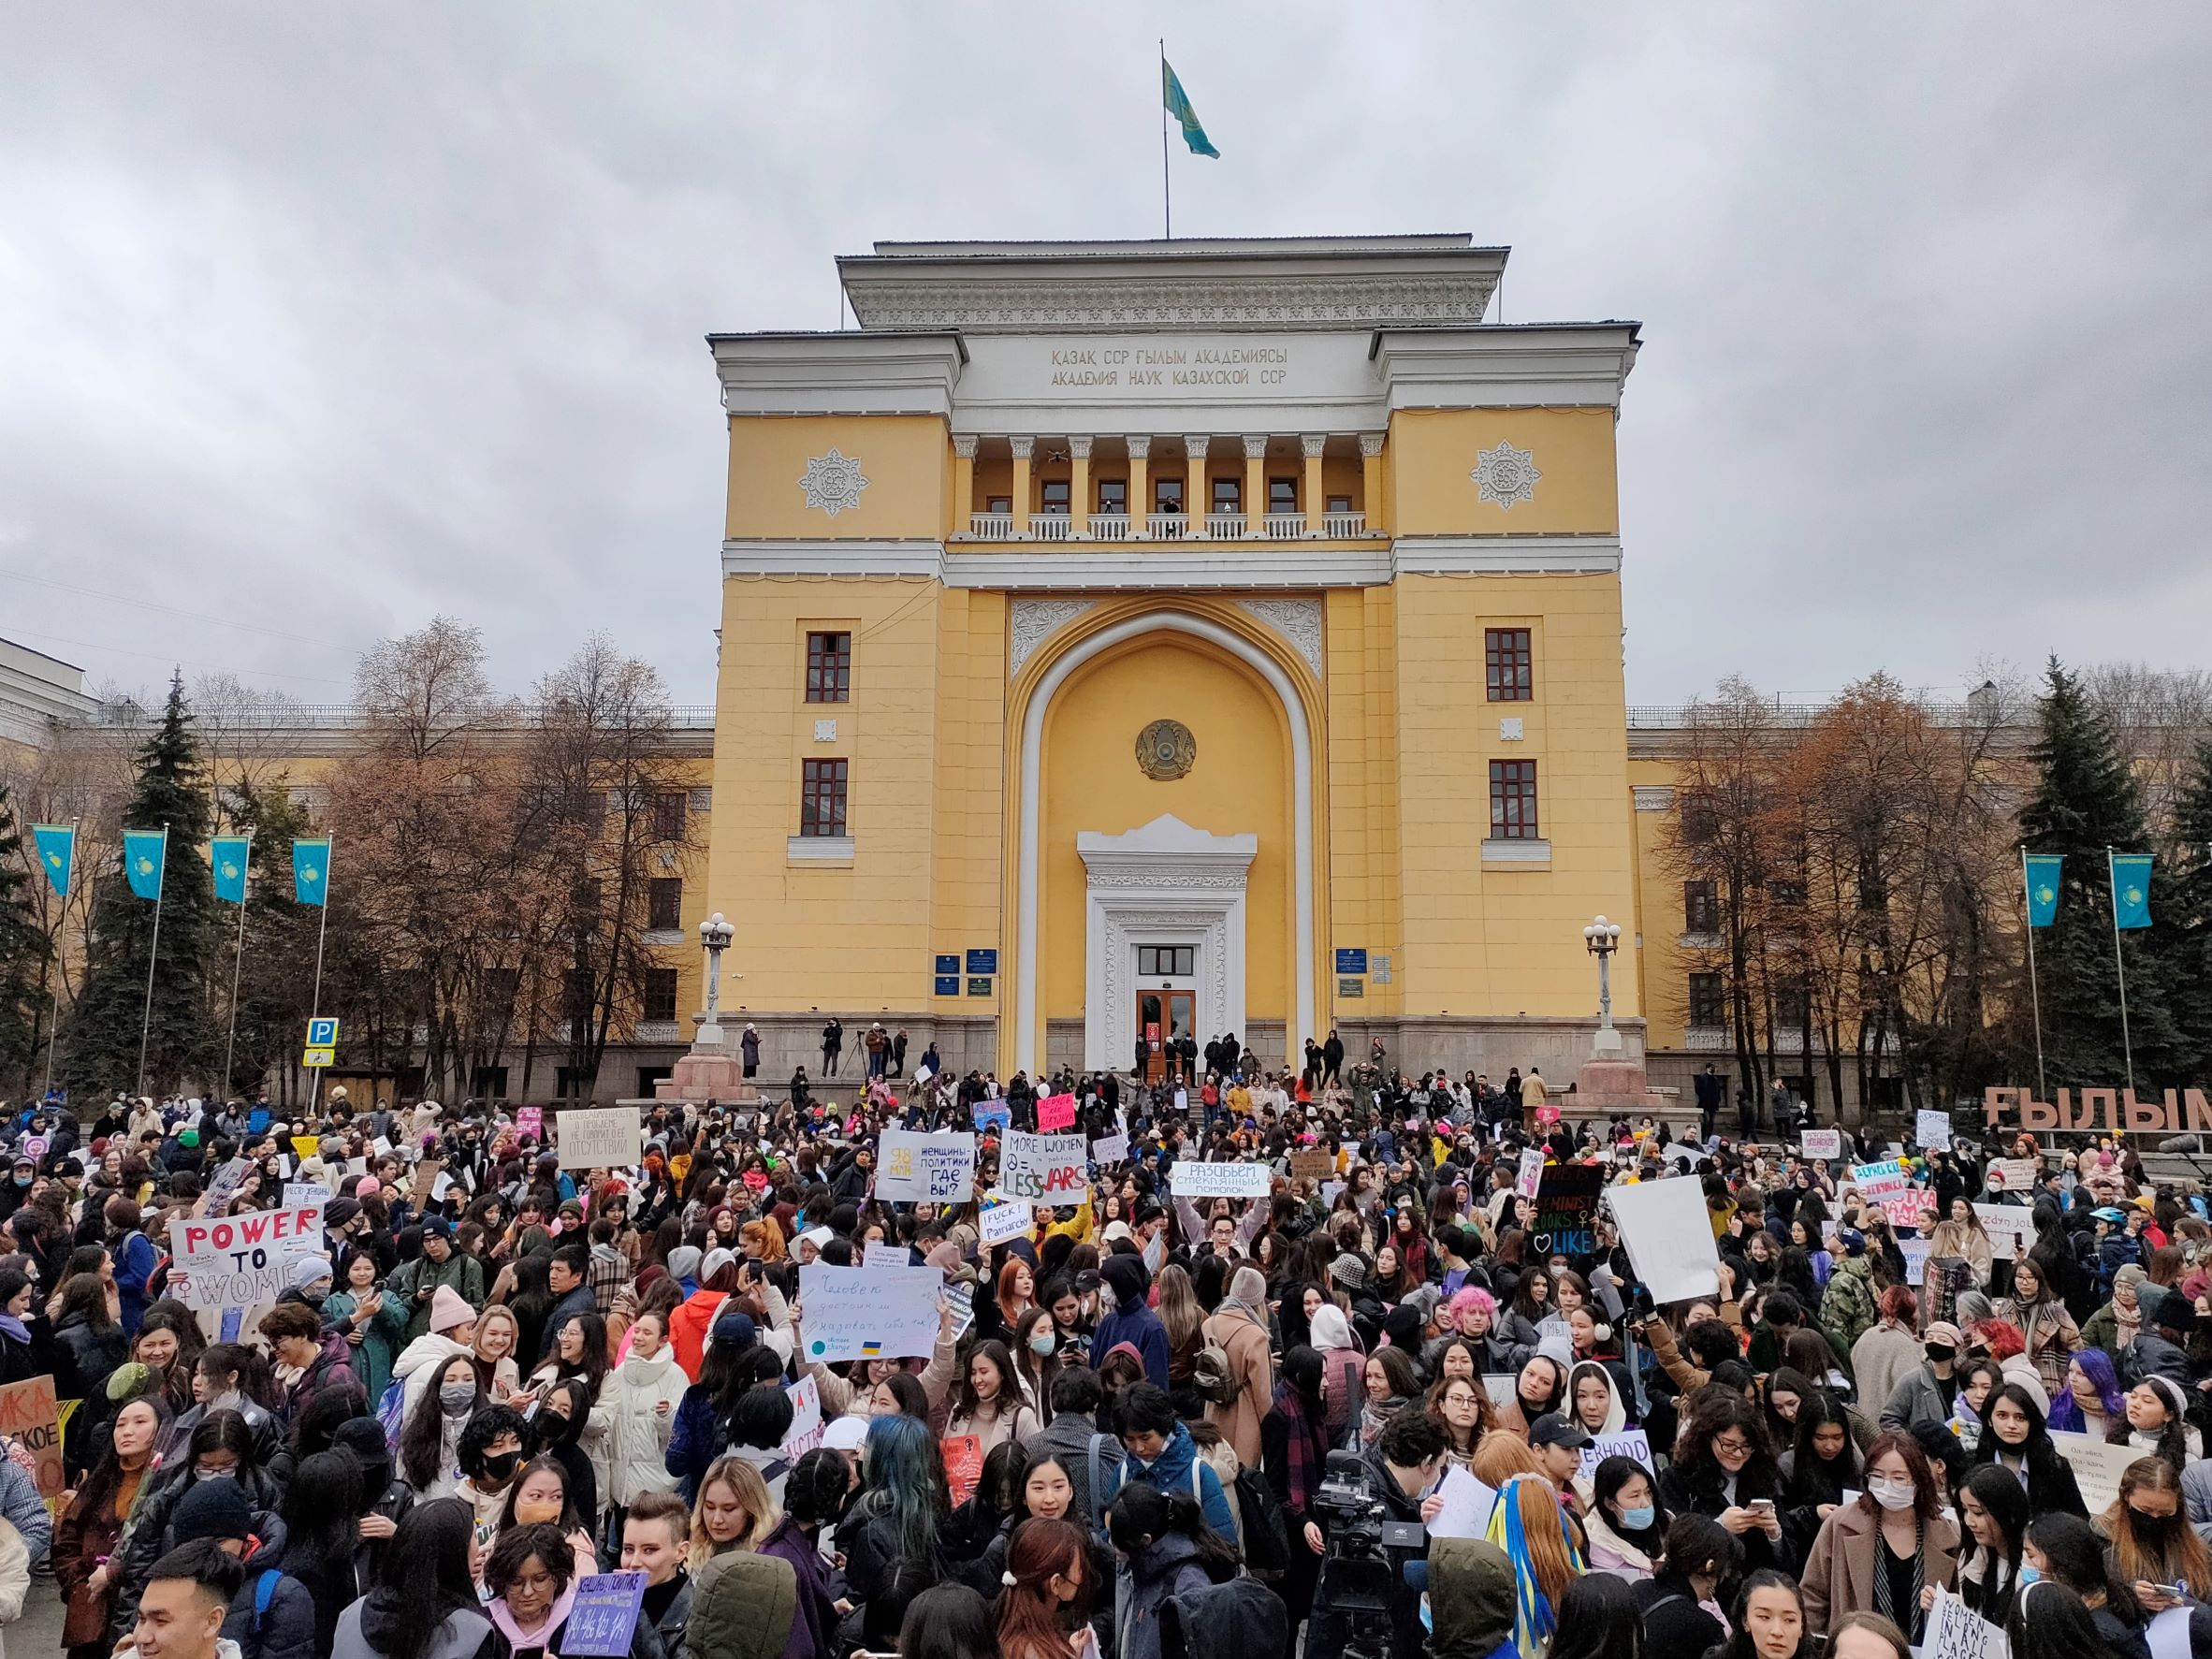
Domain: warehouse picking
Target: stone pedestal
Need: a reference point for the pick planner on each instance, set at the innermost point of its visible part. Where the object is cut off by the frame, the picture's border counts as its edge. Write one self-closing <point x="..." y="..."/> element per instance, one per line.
<point x="1605" y="1085"/>
<point x="706" y="1075"/>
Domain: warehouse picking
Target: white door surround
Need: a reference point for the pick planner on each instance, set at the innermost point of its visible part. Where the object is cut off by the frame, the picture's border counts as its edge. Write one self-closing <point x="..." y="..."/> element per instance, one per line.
<point x="1165" y="884"/>
<point x="1027" y="900"/>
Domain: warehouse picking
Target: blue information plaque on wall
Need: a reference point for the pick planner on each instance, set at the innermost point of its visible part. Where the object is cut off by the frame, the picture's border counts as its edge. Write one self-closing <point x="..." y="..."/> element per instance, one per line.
<point x="948" y="984"/>
<point x="1351" y="961"/>
<point x="982" y="961"/>
<point x="947" y="962"/>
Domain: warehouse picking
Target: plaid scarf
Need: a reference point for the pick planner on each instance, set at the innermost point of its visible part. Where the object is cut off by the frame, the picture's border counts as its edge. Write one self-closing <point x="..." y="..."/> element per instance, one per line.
<point x="1307" y="1452"/>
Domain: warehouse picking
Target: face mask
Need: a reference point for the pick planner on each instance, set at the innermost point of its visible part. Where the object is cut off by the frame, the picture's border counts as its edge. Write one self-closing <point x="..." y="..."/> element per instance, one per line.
<point x="537" y="1511"/>
<point x="1639" y="1519"/>
<point x="22" y="1180"/>
<point x="2152" y="1526"/>
<point x="1043" y="1342"/>
<point x="313" y="1298"/>
<point x="502" y="1466"/>
<point x="456" y="1398"/>
<point x="2027" y="1573"/>
<point x="1893" y="1495"/>
<point x="1939" y="1354"/>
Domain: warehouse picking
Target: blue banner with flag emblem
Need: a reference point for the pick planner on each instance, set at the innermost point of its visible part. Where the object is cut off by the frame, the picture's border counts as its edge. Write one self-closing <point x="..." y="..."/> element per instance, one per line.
<point x="229" y="854"/>
<point x="2131" y="889"/>
<point x="311" y="870"/>
<point x="2042" y="872"/>
<point x="1178" y="103"/>
<point x="57" y="853"/>
<point x="144" y="854"/>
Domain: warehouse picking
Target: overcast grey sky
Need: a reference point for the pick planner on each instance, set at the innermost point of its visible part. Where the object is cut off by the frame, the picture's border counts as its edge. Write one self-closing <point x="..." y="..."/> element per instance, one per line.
<point x="323" y="319"/>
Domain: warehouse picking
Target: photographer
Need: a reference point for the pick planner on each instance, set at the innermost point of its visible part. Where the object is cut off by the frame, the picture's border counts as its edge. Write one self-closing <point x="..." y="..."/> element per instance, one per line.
<point x="1372" y="1512"/>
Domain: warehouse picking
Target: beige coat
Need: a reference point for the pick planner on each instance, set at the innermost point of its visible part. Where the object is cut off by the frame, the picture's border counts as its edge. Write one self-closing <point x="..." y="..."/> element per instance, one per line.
<point x="1840" y="1569"/>
<point x="1245" y="1341"/>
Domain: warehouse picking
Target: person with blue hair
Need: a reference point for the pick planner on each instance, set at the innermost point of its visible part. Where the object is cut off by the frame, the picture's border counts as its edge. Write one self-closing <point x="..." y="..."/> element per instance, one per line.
<point x="892" y="1538"/>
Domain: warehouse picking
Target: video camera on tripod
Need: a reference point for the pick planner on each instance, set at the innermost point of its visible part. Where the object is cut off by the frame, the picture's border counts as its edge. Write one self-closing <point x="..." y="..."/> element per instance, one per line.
<point x="1356" y="1574"/>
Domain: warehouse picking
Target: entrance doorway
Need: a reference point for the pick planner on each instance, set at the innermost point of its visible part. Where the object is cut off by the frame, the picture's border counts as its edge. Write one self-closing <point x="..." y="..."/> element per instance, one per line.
<point x="1164" y="1017"/>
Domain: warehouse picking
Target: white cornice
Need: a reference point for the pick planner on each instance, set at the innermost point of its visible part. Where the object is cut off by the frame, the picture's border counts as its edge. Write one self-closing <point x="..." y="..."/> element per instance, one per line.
<point x="1106" y="567"/>
<point x="838" y="373"/>
<point x="1574" y="364"/>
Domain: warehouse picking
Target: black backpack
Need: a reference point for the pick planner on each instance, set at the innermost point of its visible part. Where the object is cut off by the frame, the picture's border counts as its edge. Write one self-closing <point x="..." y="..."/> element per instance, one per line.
<point x="1266" y="1539"/>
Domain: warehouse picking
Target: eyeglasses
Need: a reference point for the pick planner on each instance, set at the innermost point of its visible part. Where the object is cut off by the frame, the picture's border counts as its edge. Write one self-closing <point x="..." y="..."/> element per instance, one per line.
<point x="1734" y="1445"/>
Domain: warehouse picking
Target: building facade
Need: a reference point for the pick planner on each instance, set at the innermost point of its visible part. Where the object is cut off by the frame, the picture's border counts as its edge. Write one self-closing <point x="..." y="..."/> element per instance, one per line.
<point x="1122" y="639"/>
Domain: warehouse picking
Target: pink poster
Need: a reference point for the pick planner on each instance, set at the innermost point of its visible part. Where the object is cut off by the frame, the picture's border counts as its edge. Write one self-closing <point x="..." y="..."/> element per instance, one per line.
<point x="1055" y="1111"/>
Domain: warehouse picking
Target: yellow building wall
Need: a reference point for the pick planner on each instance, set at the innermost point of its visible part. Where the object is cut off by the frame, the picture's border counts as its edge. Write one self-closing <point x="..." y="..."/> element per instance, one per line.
<point x="1506" y="940"/>
<point x="1239" y="783"/>
<point x="1359" y="633"/>
<point x="856" y="937"/>
<point x="907" y="460"/>
<point x="1664" y="966"/>
<point x="1432" y="454"/>
<point x="968" y="802"/>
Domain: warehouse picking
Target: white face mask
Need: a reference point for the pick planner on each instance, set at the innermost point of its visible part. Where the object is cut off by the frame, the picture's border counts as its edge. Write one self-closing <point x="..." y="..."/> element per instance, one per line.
<point x="1893" y="1495"/>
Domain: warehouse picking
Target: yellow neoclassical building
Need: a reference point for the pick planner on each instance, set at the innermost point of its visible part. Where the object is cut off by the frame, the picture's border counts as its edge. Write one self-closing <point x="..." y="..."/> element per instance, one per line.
<point x="1122" y="639"/>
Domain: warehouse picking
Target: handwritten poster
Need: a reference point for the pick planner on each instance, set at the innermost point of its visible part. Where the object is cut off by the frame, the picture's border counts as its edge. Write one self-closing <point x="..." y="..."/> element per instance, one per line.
<point x="871" y="1313"/>
<point x="1046" y="1168"/>
<point x="1005" y="1218"/>
<point x="1191" y="1179"/>
<point x="1055" y="1111"/>
<point x="913" y="1168"/>
<point x="238" y="1260"/>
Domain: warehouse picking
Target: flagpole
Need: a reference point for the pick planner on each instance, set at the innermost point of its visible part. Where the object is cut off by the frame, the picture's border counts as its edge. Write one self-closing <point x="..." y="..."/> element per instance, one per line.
<point x="153" y="954"/>
<point x="1167" y="196"/>
<point x="54" y="991"/>
<point x="2034" y="993"/>
<point x="322" y="930"/>
<point x="2127" y="1042"/>
<point x="245" y="891"/>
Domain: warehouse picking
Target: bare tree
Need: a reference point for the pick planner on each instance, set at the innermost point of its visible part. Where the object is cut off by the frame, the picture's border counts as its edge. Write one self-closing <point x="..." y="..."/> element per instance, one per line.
<point x="2159" y="716"/>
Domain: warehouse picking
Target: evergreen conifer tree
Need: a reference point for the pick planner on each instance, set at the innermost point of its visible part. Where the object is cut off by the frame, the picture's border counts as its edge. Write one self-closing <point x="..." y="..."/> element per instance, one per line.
<point x="2190" y="920"/>
<point x="24" y="953"/>
<point x="2086" y="801"/>
<point x="183" y="1045"/>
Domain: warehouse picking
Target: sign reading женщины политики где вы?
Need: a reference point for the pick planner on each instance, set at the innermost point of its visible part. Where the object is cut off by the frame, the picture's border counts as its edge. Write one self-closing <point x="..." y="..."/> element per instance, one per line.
<point x="2100" y="1111"/>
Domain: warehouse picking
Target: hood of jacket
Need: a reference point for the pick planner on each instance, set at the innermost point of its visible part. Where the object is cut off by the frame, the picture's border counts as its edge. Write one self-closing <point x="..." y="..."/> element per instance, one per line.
<point x="2154" y="1356"/>
<point x="1472" y="1598"/>
<point x="1130" y="1281"/>
<point x="1163" y="1557"/>
<point x="1171" y="1470"/>
<point x="1243" y="1616"/>
<point x="742" y="1607"/>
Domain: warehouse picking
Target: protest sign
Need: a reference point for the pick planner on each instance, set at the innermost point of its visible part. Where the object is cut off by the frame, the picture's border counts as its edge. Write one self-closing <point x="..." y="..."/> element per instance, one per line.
<point x="961" y="1300"/>
<point x="991" y="1114"/>
<point x="1183" y="1100"/>
<point x="530" y="1122"/>
<point x="877" y="1253"/>
<point x="1532" y="1172"/>
<point x="1312" y="1166"/>
<point x="29" y="1415"/>
<point x="305" y="1192"/>
<point x="2167" y="1636"/>
<point x="1193" y="1179"/>
<point x="964" y="1466"/>
<point x="608" y="1138"/>
<point x="1668" y="1233"/>
<point x="1055" y="1111"/>
<point x="604" y="1615"/>
<point x="1629" y="1442"/>
<point x="305" y="1147"/>
<point x="1003" y="1218"/>
<point x="1931" y="1130"/>
<point x="226" y="1184"/>
<point x="1110" y="1149"/>
<point x="1499" y="1385"/>
<point x="36" y="1148"/>
<point x="1566" y="1210"/>
<point x="1051" y="1168"/>
<point x="871" y="1313"/>
<point x="2012" y="1174"/>
<point x="238" y="1260"/>
<point x="2011" y="1228"/>
<point x="917" y="1168"/>
<point x="805" y="1418"/>
<point x="1467" y="1504"/>
<point x="2097" y="1468"/>
<point x="1915" y="1252"/>
<point x="1956" y="1631"/>
<point x="1881" y="1181"/>
<point x="1820" y="1142"/>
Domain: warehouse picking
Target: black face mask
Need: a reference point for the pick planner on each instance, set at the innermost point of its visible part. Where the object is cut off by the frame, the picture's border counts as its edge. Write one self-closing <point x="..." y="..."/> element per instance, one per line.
<point x="2155" y="1528"/>
<point x="501" y="1466"/>
<point x="1939" y="1354"/>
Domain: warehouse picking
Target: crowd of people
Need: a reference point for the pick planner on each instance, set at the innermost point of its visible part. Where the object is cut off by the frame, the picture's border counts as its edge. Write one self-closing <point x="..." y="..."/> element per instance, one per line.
<point x="1373" y="1413"/>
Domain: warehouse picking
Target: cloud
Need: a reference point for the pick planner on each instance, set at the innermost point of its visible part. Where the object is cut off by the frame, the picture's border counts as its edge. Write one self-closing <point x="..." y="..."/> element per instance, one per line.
<point x="332" y="319"/>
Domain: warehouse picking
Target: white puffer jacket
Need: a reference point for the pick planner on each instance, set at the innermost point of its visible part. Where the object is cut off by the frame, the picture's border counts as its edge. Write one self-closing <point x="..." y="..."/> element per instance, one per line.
<point x="638" y="1428"/>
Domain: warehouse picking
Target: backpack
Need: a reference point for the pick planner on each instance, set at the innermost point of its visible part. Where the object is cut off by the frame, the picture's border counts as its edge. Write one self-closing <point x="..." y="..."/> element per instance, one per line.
<point x="1212" y="1376"/>
<point x="391" y="1413"/>
<point x="1267" y="1536"/>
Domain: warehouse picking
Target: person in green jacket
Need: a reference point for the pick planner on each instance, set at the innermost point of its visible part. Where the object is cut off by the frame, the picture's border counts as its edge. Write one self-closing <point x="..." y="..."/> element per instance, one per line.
<point x="371" y="1321"/>
<point x="1851" y="1305"/>
<point x="440" y="1263"/>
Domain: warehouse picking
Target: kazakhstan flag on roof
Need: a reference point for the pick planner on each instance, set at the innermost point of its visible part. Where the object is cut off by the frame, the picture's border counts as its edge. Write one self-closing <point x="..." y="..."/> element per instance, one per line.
<point x="1178" y="102"/>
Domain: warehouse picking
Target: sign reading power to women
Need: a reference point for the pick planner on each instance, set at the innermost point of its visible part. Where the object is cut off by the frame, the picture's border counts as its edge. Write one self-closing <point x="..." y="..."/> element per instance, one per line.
<point x="223" y="1261"/>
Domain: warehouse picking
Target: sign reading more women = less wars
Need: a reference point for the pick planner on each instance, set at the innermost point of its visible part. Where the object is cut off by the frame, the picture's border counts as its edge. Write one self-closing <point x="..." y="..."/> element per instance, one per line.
<point x="1045" y="1169"/>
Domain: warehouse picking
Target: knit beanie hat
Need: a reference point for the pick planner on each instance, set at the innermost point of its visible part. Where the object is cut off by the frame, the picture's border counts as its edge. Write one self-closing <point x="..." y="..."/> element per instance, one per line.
<point x="448" y="1309"/>
<point x="212" y="1510"/>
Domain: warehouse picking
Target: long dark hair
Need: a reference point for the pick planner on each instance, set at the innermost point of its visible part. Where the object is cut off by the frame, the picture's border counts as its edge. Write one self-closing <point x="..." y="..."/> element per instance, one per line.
<point x="1716" y="1415"/>
<point x="229" y="1359"/>
<point x="593" y="1366"/>
<point x="322" y="1510"/>
<point x="422" y="1437"/>
<point x="1740" y="1645"/>
<point x="424" y="1578"/>
<point x="97" y="1488"/>
<point x="1598" y="1619"/>
<point x="1010" y="1382"/>
<point x="2006" y="1500"/>
<point x="1141" y="1511"/>
<point x="1814" y="1480"/>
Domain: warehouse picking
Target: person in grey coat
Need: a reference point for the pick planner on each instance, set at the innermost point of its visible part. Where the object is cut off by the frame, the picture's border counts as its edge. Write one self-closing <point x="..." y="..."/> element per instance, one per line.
<point x="1076" y="1396"/>
<point x="1925" y="1396"/>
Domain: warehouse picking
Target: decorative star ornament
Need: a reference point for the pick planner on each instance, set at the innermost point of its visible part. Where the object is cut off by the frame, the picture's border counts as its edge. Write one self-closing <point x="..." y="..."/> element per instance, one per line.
<point x="832" y="482"/>
<point x="1505" y="475"/>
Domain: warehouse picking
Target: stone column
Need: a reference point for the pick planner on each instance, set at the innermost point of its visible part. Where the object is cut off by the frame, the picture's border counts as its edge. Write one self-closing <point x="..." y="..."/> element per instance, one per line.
<point x="1194" y="500"/>
<point x="1079" y="486"/>
<point x="1140" y="499"/>
<point x="1310" y="444"/>
<point x="1255" y="484"/>
<point x="1371" y="479"/>
<point x="963" y="483"/>
<point x="1020" y="447"/>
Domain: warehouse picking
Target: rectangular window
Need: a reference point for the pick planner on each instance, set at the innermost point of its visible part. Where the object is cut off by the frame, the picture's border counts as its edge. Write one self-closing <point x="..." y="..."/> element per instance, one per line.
<point x="1167" y="961"/>
<point x="1001" y="505"/>
<point x="822" y="799"/>
<point x="660" y="993"/>
<point x="488" y="1082"/>
<point x="501" y="987"/>
<point x="1167" y="495"/>
<point x="571" y="1082"/>
<point x="1228" y="494"/>
<point x="1113" y="497"/>
<point x="1702" y="908"/>
<point x="668" y="816"/>
<point x="1513" y="801"/>
<point x="1281" y="495"/>
<point x="1340" y="503"/>
<point x="1792" y="1007"/>
<point x="577" y="993"/>
<point x="1709" y="1007"/>
<point x="1053" y="492"/>
<point x="1506" y="664"/>
<point x="665" y="903"/>
<point x="829" y="668"/>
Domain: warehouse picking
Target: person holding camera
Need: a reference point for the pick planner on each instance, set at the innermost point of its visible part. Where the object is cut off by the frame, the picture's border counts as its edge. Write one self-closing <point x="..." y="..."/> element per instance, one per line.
<point x="1372" y="1512"/>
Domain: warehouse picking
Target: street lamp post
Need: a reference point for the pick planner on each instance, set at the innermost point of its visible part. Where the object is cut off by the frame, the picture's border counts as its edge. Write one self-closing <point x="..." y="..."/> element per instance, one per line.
<point x="715" y="933"/>
<point x="1601" y="938"/>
